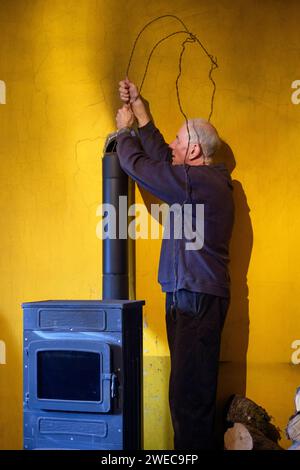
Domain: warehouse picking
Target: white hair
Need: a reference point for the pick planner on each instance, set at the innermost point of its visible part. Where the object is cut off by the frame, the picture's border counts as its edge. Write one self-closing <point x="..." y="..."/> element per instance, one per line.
<point x="204" y="133"/>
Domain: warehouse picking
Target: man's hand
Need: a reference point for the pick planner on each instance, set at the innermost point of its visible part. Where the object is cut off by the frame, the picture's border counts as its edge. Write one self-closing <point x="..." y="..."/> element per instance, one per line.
<point x="125" y="117"/>
<point x="129" y="94"/>
<point x="128" y="91"/>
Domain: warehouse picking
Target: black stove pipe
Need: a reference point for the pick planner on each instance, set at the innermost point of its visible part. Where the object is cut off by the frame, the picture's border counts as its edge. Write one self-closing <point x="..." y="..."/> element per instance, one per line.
<point x="115" y="281"/>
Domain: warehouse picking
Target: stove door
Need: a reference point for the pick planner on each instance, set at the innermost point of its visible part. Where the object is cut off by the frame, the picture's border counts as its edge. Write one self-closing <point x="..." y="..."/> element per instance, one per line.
<point x="69" y="375"/>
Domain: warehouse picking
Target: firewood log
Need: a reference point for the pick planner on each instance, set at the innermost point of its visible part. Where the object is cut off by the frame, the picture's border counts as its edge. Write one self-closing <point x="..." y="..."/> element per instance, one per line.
<point x="246" y="437"/>
<point x="245" y="411"/>
<point x="293" y="428"/>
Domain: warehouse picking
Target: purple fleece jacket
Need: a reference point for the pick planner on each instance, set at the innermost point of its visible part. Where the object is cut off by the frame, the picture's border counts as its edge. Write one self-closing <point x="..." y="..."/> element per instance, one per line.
<point x="147" y="160"/>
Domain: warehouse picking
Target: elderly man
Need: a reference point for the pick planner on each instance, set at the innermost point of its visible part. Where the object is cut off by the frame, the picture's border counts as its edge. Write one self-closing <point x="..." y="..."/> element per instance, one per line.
<point x="196" y="282"/>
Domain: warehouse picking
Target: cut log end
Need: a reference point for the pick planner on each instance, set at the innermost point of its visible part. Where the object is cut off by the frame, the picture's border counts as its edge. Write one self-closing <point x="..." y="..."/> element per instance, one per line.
<point x="245" y="411"/>
<point x="242" y="437"/>
<point x="238" y="438"/>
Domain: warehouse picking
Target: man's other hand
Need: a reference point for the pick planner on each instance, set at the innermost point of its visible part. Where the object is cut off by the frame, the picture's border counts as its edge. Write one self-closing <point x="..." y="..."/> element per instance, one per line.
<point x="128" y="91"/>
<point x="125" y="117"/>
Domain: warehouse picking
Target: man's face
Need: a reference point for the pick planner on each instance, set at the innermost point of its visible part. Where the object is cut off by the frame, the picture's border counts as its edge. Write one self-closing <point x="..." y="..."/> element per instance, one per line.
<point x="179" y="146"/>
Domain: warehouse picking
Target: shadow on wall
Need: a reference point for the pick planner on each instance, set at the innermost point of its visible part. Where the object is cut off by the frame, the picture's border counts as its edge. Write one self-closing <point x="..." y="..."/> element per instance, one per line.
<point x="235" y="337"/>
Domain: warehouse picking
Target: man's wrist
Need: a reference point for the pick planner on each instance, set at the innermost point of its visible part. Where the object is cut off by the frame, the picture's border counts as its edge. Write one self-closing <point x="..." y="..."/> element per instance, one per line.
<point x="124" y="130"/>
<point x="142" y="122"/>
<point x="140" y="112"/>
<point x="138" y="106"/>
<point x="137" y="101"/>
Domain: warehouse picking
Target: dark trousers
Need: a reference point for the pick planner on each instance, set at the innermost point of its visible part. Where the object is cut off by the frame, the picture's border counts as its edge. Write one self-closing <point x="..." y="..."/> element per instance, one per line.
<point x="194" y="329"/>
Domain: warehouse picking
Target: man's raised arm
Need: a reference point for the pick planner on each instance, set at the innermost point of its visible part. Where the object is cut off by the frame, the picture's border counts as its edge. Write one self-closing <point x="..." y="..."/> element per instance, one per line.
<point x="152" y="140"/>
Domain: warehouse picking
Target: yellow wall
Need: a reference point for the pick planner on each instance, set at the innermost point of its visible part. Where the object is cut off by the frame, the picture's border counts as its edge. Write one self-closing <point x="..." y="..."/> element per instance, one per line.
<point x="61" y="62"/>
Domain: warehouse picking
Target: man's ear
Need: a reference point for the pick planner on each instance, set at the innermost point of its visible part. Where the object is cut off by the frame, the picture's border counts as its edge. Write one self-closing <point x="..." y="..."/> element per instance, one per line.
<point x="196" y="151"/>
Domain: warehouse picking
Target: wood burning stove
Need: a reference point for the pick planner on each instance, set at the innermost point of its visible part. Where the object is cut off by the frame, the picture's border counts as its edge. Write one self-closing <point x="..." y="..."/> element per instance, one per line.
<point x="83" y="374"/>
